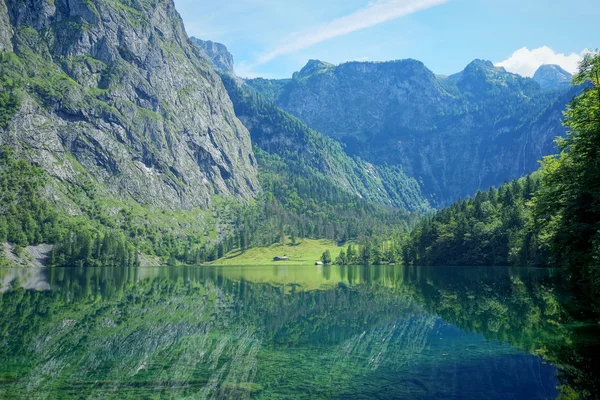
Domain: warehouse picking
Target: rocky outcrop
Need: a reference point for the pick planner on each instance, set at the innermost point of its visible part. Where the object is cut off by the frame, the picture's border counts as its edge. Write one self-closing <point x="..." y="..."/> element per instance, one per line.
<point x="313" y="67"/>
<point x="5" y="29"/>
<point x="453" y="134"/>
<point x="114" y="93"/>
<point x="217" y="54"/>
<point x="30" y="256"/>
<point x="552" y="77"/>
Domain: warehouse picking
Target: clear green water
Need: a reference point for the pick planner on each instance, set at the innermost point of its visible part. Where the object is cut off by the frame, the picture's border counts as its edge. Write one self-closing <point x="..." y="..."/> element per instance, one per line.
<point x="280" y="332"/>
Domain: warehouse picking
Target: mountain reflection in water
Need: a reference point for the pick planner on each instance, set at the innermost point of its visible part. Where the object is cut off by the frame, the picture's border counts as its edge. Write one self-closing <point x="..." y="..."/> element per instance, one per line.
<point x="292" y="332"/>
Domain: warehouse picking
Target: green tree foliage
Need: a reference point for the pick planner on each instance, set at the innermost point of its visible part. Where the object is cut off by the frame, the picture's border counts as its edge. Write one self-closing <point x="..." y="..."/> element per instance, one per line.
<point x="10" y="98"/>
<point x="309" y="205"/>
<point x="326" y="257"/>
<point x="81" y="249"/>
<point x="373" y="251"/>
<point x="493" y="228"/>
<point x="551" y="218"/>
<point x="567" y="207"/>
<point x="25" y="218"/>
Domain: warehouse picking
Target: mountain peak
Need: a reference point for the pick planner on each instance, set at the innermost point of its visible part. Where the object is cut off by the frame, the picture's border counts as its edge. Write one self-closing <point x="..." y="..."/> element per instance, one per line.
<point x="552" y="67"/>
<point x="216" y="53"/>
<point x="480" y="70"/>
<point x="481" y="76"/>
<point x="552" y="76"/>
<point x="313" y="67"/>
<point x="479" y="64"/>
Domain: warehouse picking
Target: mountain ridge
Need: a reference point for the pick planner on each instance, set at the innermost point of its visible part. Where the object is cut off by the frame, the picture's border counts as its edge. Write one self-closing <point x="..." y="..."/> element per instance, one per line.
<point x="285" y="137"/>
<point x="455" y="135"/>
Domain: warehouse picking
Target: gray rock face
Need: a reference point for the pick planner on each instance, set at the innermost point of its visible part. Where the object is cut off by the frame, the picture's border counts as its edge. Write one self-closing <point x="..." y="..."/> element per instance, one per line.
<point x="454" y="134"/>
<point x="552" y="77"/>
<point x="30" y="256"/>
<point x="217" y="54"/>
<point x="5" y="29"/>
<point x="114" y="93"/>
<point x="355" y="100"/>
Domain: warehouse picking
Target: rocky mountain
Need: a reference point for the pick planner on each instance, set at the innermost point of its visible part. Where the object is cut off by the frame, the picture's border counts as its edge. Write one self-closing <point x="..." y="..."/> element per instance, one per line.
<point x="113" y="95"/>
<point x="453" y="134"/>
<point x="117" y="105"/>
<point x="217" y="54"/>
<point x="307" y="154"/>
<point x="278" y="137"/>
<point x="552" y="77"/>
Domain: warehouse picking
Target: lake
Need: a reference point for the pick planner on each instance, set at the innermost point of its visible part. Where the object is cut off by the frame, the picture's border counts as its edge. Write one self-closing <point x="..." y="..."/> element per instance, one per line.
<point x="287" y="332"/>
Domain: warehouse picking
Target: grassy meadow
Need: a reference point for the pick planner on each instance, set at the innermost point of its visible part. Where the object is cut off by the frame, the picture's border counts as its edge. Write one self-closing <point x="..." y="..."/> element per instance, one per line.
<point x="304" y="252"/>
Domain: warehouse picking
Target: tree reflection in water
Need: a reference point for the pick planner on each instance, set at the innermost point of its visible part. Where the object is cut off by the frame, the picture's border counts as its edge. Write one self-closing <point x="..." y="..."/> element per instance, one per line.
<point x="294" y="332"/>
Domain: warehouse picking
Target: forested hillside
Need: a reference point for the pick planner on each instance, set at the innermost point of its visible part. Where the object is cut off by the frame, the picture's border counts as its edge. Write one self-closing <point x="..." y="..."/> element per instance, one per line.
<point x="309" y="155"/>
<point x="26" y="218"/>
<point x="495" y="227"/>
<point x="551" y="218"/>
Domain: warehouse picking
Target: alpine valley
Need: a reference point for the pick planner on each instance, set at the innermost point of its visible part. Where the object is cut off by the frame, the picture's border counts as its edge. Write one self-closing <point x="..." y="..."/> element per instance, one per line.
<point x="116" y="127"/>
<point x="169" y="229"/>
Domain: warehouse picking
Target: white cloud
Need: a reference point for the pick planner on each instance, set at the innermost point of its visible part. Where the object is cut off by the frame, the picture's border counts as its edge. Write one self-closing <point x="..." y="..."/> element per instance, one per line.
<point x="525" y="62"/>
<point x="375" y="13"/>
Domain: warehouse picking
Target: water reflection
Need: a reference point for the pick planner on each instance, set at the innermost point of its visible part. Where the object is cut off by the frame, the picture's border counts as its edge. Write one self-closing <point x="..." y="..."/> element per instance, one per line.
<point x="291" y="332"/>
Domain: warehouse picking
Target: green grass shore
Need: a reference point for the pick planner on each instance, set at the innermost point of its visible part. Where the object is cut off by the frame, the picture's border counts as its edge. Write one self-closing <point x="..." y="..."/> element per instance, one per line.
<point x="304" y="252"/>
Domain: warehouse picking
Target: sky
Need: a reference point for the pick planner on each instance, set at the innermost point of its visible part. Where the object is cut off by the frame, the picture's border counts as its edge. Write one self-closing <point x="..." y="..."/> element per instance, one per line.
<point x="274" y="38"/>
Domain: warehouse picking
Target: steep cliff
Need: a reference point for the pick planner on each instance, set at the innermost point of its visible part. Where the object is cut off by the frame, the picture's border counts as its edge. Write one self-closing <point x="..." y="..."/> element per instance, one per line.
<point x="112" y="93"/>
<point x="454" y="135"/>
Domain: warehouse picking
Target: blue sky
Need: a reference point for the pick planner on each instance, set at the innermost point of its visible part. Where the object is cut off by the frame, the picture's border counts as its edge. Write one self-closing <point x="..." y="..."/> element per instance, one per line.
<point x="273" y="38"/>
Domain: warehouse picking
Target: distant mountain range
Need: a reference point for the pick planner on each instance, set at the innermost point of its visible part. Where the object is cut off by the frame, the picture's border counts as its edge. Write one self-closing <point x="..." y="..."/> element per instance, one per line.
<point x="451" y="134"/>
<point x="454" y="135"/>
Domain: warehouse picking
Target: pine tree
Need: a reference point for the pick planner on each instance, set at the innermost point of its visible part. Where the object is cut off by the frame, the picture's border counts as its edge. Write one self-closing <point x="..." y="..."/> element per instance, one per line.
<point x="341" y="258"/>
<point x="568" y="204"/>
<point x="350" y="255"/>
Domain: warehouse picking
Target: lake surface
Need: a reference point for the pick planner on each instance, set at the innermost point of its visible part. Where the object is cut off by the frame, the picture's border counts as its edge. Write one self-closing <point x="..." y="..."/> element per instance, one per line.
<point x="283" y="332"/>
